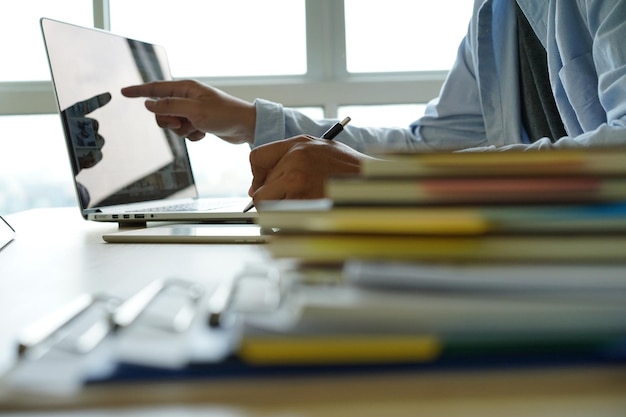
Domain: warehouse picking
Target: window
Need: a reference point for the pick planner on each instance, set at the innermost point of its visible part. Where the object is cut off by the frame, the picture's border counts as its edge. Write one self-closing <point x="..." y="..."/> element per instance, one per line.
<point x="370" y="59"/>
<point x="21" y="37"/>
<point x="397" y="35"/>
<point x="219" y="38"/>
<point x="34" y="168"/>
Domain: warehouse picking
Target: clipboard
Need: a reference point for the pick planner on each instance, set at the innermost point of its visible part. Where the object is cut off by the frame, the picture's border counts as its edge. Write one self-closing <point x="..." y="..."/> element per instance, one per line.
<point x="7" y="233"/>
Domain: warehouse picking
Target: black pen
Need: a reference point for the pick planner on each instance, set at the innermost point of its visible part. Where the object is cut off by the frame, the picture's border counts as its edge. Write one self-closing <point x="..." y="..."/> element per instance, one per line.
<point x="330" y="134"/>
<point x="335" y="129"/>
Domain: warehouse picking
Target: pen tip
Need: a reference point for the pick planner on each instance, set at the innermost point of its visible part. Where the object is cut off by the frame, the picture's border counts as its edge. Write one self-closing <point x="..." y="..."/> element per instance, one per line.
<point x="248" y="207"/>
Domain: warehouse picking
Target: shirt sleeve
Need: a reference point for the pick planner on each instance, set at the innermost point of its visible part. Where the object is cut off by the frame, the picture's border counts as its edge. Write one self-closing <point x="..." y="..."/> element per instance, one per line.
<point x="275" y="122"/>
<point x="452" y="121"/>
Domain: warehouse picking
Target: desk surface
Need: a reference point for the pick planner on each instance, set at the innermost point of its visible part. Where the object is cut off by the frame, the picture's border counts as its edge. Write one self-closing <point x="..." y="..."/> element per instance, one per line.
<point x="57" y="256"/>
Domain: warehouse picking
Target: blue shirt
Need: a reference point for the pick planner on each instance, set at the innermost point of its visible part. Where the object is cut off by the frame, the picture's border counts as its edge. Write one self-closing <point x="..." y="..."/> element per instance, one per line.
<point x="479" y="103"/>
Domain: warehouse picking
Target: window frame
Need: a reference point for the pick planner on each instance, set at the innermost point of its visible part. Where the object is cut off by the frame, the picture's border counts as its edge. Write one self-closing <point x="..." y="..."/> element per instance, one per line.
<point x="326" y="84"/>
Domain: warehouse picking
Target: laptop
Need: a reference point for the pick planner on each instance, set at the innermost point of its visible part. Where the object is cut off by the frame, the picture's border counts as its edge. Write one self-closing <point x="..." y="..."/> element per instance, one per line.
<point x="126" y="168"/>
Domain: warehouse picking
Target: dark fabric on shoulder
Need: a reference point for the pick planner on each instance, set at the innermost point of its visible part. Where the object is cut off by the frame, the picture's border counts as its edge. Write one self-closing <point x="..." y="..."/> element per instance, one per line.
<point x="540" y="116"/>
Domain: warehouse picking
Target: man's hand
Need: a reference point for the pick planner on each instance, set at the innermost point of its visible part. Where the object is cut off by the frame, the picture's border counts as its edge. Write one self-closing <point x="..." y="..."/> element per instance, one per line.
<point x="191" y="109"/>
<point x="297" y="168"/>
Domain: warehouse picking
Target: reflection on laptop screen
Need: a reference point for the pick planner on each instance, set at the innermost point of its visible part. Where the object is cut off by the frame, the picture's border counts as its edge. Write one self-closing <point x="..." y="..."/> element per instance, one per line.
<point x="118" y="153"/>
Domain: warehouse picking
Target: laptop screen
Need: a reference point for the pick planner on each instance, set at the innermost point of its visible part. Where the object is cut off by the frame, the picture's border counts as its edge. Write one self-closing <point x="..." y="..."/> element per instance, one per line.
<point x="118" y="153"/>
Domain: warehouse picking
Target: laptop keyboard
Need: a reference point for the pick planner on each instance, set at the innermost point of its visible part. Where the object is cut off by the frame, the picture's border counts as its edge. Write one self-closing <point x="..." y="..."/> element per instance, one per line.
<point x="190" y="206"/>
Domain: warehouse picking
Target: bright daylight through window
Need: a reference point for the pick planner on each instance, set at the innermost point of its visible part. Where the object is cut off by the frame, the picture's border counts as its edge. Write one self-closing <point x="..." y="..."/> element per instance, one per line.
<point x="297" y="52"/>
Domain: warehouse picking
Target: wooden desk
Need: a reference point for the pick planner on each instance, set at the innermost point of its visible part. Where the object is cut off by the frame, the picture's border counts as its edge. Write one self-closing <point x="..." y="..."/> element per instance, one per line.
<point x="57" y="256"/>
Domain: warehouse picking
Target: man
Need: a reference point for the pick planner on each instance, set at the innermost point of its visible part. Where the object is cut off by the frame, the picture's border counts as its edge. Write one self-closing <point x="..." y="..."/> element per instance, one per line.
<point x="530" y="74"/>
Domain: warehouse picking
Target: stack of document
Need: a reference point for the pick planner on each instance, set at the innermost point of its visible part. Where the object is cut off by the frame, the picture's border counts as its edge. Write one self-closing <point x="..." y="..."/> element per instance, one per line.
<point x="379" y="313"/>
<point x="522" y="249"/>
<point x="534" y="206"/>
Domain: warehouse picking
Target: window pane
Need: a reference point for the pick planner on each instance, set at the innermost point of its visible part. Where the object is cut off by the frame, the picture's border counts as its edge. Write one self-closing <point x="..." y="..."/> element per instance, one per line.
<point x="396" y="115"/>
<point x="222" y="169"/>
<point x="312" y="112"/>
<point x="22" y="49"/>
<point x="219" y="168"/>
<point x="219" y="38"/>
<point x="404" y="35"/>
<point x="34" y="168"/>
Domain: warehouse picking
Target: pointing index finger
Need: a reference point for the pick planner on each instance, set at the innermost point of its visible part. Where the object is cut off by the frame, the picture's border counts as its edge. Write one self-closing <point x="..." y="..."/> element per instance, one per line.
<point x="158" y="89"/>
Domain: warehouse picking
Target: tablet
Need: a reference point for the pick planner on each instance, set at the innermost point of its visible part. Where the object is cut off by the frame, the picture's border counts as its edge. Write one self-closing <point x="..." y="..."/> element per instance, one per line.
<point x="190" y="233"/>
<point x="6" y="233"/>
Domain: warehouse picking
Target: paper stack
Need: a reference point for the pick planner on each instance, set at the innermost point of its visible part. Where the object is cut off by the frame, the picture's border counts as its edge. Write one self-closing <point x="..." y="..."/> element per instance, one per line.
<point x="534" y="206"/>
<point x="525" y="249"/>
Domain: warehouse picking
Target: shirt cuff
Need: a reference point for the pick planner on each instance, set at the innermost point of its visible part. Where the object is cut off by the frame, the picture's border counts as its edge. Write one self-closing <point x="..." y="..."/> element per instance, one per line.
<point x="270" y="122"/>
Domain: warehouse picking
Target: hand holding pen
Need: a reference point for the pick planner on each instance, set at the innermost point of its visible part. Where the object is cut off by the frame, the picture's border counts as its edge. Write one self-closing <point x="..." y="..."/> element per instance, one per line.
<point x="330" y="134"/>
